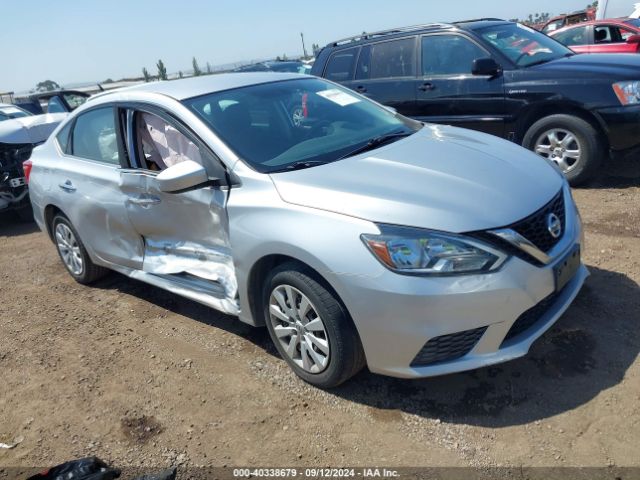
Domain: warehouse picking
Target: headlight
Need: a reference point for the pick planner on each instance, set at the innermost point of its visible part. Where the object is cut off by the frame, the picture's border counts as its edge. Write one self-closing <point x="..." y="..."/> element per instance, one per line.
<point x="425" y="252"/>
<point x="628" y="92"/>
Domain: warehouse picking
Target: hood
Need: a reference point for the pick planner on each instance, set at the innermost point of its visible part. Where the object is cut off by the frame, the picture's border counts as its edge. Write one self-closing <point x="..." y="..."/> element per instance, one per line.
<point x="33" y="129"/>
<point x="442" y="178"/>
<point x="616" y="66"/>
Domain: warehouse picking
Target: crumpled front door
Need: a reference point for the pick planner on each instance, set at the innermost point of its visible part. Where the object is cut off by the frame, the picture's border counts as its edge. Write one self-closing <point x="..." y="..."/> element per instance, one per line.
<point x="186" y="237"/>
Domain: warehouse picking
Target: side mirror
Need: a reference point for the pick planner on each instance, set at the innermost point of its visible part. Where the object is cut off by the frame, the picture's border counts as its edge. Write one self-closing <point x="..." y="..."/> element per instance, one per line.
<point x="633" y="39"/>
<point x="182" y="176"/>
<point x="485" y="66"/>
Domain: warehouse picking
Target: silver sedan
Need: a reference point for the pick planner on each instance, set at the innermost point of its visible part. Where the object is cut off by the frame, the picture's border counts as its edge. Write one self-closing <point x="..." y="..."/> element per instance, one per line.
<point x="357" y="236"/>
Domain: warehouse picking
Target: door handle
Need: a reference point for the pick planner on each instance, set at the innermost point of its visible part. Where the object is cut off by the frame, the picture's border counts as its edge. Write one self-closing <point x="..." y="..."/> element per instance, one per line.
<point x="361" y="89"/>
<point x="145" y="200"/>
<point x="427" y="86"/>
<point x="67" y="186"/>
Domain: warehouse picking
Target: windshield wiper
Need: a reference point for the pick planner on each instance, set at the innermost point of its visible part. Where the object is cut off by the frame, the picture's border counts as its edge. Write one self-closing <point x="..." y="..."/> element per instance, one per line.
<point x="376" y="142"/>
<point x="546" y="60"/>
<point x="302" y="164"/>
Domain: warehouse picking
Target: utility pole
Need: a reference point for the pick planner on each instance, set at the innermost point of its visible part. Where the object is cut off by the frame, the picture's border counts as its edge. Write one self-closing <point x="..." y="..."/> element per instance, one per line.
<point x="304" y="49"/>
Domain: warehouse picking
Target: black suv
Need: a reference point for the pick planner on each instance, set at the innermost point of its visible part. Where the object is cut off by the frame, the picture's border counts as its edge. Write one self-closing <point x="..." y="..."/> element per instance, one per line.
<point x="501" y="78"/>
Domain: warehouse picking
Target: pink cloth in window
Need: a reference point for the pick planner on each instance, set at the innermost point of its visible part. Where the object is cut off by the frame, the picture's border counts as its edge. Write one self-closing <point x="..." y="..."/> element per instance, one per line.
<point x="172" y="146"/>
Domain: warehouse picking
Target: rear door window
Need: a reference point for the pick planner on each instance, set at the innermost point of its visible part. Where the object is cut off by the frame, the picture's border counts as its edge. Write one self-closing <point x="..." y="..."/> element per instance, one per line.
<point x="341" y="64"/>
<point x="94" y="136"/>
<point x="393" y="59"/>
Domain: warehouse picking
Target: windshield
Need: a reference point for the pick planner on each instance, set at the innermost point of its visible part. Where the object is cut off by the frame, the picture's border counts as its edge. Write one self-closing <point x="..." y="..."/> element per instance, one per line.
<point x="276" y="126"/>
<point x="7" y="113"/>
<point x="523" y="45"/>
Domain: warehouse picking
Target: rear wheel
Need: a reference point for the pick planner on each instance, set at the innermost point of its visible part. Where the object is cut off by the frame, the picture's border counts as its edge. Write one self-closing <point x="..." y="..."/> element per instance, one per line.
<point x="73" y="254"/>
<point x="570" y="142"/>
<point x="310" y="328"/>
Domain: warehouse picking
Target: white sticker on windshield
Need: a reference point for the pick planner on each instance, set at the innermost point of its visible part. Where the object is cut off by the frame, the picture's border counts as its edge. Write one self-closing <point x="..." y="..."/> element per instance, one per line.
<point x="338" y="96"/>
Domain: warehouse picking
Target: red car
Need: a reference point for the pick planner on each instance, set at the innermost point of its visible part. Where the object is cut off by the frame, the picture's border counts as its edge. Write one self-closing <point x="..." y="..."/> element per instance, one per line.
<point x="564" y="20"/>
<point x="619" y="35"/>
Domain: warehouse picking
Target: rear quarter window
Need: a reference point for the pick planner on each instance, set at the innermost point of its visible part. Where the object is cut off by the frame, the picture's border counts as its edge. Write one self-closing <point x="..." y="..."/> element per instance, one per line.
<point x="63" y="138"/>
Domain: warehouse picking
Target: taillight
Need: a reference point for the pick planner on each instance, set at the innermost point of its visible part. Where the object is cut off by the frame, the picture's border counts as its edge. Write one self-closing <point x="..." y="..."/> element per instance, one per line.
<point x="26" y="166"/>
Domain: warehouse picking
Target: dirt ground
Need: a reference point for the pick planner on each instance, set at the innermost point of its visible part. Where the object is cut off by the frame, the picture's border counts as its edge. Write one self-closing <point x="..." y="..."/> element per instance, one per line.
<point x="141" y="377"/>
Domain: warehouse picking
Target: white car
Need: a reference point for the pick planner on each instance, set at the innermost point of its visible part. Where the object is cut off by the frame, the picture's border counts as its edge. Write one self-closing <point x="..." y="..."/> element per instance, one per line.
<point x="20" y="133"/>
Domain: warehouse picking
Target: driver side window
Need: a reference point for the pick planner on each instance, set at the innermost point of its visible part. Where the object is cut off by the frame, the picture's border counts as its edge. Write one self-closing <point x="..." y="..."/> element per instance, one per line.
<point x="449" y="55"/>
<point x="161" y="145"/>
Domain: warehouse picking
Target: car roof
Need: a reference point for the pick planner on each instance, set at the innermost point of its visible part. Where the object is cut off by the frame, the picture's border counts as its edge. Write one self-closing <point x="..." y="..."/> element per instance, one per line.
<point x="367" y="37"/>
<point x="195" y="86"/>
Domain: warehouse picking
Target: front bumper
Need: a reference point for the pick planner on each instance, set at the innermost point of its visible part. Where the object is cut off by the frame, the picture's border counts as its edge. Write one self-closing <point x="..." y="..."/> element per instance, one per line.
<point x="397" y="315"/>
<point x="622" y="125"/>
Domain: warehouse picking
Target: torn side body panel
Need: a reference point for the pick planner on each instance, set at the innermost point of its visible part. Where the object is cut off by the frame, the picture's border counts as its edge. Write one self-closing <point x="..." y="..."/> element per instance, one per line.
<point x="215" y="264"/>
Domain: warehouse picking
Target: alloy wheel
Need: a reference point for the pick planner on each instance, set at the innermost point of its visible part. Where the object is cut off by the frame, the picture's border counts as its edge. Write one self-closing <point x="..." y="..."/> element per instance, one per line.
<point x="297" y="117"/>
<point x="561" y="147"/>
<point x="69" y="249"/>
<point x="299" y="328"/>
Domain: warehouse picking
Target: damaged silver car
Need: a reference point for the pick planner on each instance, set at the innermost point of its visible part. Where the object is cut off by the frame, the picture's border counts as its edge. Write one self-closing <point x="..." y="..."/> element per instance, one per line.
<point x="357" y="236"/>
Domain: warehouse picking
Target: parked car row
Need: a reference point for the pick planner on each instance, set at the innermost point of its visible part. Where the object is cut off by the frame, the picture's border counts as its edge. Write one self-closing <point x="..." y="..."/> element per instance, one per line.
<point x="501" y="78"/>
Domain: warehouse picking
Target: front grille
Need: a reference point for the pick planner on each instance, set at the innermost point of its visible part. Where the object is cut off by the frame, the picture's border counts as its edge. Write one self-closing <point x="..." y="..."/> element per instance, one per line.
<point x="534" y="227"/>
<point x="447" y="347"/>
<point x="529" y="318"/>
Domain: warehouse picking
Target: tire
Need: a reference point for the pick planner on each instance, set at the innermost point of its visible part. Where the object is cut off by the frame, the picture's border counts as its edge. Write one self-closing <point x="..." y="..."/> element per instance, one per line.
<point x="589" y="142"/>
<point x="65" y="234"/>
<point x="25" y="214"/>
<point x="345" y="356"/>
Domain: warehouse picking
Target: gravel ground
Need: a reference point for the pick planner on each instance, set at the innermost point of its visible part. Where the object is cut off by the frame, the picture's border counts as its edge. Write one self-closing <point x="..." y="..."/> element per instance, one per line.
<point x="144" y="378"/>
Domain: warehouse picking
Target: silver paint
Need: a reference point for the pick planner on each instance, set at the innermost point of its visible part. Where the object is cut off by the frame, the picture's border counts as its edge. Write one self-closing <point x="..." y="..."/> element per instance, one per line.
<point x="204" y="244"/>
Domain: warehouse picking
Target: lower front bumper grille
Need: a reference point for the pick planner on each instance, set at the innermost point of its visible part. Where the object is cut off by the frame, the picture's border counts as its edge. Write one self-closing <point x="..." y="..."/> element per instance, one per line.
<point x="447" y="347"/>
<point x="529" y="318"/>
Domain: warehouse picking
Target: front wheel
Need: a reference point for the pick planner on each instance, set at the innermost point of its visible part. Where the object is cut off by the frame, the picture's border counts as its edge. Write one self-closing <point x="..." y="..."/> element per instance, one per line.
<point x="570" y="142"/>
<point x="73" y="254"/>
<point x="310" y="328"/>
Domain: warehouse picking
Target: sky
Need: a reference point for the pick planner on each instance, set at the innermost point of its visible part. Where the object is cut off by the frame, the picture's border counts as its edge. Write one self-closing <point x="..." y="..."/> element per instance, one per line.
<point x="75" y="41"/>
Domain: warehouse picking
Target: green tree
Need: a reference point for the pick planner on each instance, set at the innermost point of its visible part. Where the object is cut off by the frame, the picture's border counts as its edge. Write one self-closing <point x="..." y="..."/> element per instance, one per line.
<point x="47" y="86"/>
<point x="196" y="69"/>
<point x="180" y="74"/>
<point x="162" y="70"/>
<point x="209" y="68"/>
<point x="145" y="74"/>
